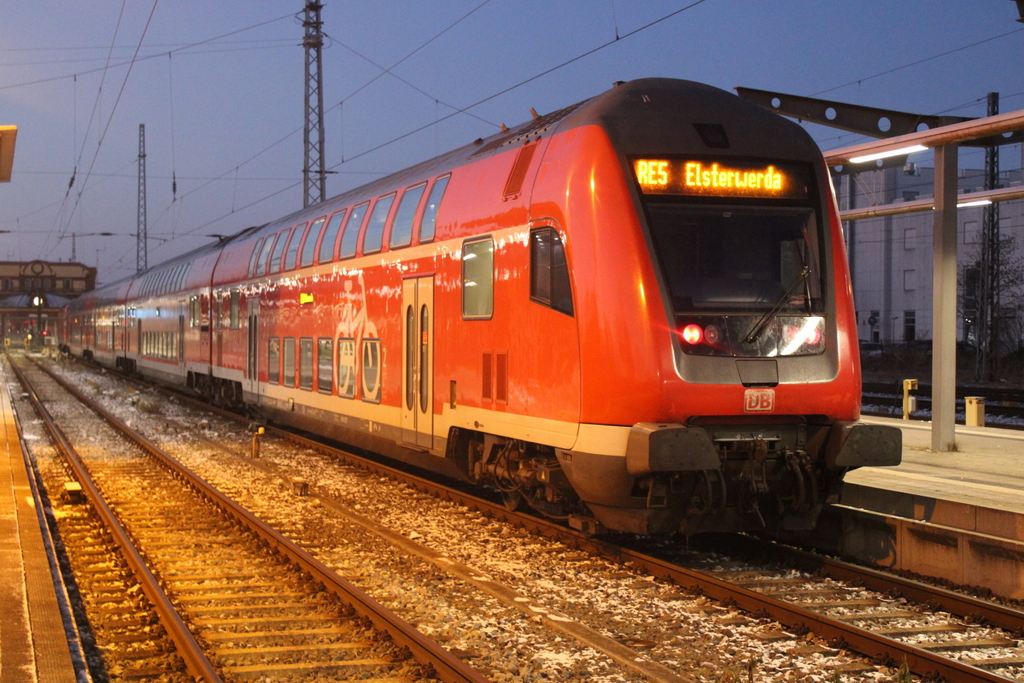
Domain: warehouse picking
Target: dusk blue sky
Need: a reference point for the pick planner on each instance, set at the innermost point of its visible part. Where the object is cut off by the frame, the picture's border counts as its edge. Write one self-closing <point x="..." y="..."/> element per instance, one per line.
<point x="236" y="96"/>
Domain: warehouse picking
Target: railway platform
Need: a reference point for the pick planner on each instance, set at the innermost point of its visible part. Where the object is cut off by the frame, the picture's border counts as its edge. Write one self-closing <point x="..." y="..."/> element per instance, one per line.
<point x="956" y="515"/>
<point x="35" y="646"/>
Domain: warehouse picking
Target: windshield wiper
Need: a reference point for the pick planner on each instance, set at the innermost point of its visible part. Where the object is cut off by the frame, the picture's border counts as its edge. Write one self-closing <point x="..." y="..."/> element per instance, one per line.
<point x="766" y="318"/>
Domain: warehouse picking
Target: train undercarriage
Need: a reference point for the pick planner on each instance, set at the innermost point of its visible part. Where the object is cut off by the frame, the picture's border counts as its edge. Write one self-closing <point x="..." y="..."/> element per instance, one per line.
<point x="744" y="477"/>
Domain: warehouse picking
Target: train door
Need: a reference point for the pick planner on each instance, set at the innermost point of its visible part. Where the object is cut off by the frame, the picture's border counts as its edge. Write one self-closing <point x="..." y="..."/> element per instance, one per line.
<point x="418" y="362"/>
<point x="252" y="365"/>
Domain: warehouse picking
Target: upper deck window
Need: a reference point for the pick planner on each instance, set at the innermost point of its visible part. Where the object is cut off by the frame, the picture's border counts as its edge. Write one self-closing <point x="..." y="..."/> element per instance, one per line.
<point x="291" y="257"/>
<point x="330" y="238"/>
<point x="374" y="237"/>
<point x="401" y="229"/>
<point x="350" y="237"/>
<point x="428" y="224"/>
<point x="275" y="257"/>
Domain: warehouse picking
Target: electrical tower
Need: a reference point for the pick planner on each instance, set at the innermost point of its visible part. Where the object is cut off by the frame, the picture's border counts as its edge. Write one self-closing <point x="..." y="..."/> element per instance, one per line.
<point x="990" y="299"/>
<point x="313" y="175"/>
<point x="140" y="245"/>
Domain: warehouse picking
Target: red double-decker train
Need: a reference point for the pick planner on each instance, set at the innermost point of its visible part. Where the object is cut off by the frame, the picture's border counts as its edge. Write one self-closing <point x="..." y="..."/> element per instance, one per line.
<point x="634" y="313"/>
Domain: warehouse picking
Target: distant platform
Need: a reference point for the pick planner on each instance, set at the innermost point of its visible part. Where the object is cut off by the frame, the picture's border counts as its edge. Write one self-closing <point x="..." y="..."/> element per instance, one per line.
<point x="35" y="646"/>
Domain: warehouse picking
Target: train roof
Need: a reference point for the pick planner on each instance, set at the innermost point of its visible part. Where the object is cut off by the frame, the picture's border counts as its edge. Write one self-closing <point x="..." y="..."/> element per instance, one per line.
<point x="639" y="116"/>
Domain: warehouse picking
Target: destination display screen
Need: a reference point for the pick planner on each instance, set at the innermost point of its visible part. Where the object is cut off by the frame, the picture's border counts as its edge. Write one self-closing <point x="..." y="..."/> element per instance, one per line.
<point x="726" y="178"/>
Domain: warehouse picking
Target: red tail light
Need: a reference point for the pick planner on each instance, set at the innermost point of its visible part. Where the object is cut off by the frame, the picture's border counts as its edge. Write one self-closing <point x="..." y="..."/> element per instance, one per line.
<point x="692" y="334"/>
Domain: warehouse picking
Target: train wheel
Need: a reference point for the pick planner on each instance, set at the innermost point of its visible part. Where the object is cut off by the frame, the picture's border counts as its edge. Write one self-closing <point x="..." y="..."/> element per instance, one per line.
<point x="512" y="500"/>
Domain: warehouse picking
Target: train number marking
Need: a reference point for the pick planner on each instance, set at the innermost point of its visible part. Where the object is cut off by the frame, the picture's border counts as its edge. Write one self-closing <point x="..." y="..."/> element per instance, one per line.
<point x="759" y="400"/>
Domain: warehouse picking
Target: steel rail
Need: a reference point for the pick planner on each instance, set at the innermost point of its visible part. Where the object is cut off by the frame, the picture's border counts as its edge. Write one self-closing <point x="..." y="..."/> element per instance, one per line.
<point x="920" y="661"/>
<point x="195" y="659"/>
<point x="951" y="601"/>
<point x="427" y="652"/>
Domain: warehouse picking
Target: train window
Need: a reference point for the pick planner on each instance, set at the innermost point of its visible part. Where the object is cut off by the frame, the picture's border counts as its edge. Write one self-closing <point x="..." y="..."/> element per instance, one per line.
<point x="255" y="255"/>
<point x="309" y="246"/>
<point x="220" y="314"/>
<point x="288" y="375"/>
<point x="374" y="237"/>
<point x="275" y="256"/>
<point x="429" y="223"/>
<point x="401" y="229"/>
<point x="235" y="302"/>
<point x="261" y="264"/>
<point x="371" y="370"/>
<point x="193" y="311"/>
<point x="306" y="364"/>
<point x="350" y="237"/>
<point x="328" y="243"/>
<point x="478" y="279"/>
<point x="549" y="276"/>
<point x="325" y="365"/>
<point x="274" y="360"/>
<point x="347" y="367"/>
<point x="291" y="256"/>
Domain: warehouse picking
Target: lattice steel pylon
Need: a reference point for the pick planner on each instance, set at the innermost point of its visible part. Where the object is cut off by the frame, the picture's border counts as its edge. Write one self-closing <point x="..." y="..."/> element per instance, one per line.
<point x="313" y="175"/>
<point x="140" y="245"/>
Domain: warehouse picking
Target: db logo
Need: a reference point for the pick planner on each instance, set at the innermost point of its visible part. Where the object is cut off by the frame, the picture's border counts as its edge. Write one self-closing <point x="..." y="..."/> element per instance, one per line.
<point x="759" y="400"/>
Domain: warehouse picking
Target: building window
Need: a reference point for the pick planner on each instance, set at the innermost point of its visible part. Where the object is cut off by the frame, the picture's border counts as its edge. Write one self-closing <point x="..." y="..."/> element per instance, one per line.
<point x="909" y="325"/>
<point x="972" y="235"/>
<point x="910" y="238"/>
<point x="478" y="279"/>
<point x="7" y="284"/>
<point x="909" y="280"/>
<point x="67" y="285"/>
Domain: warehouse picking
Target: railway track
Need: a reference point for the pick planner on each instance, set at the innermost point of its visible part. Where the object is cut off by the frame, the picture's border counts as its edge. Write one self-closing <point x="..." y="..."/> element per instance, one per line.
<point x="881" y="616"/>
<point x="238" y="599"/>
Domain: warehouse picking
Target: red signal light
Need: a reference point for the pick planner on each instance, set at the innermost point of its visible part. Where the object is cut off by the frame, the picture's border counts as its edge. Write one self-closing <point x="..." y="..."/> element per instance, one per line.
<point x="692" y="334"/>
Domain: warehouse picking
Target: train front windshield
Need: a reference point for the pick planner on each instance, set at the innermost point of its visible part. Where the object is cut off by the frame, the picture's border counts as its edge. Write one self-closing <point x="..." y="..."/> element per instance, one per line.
<point x="732" y="259"/>
<point x="744" y="281"/>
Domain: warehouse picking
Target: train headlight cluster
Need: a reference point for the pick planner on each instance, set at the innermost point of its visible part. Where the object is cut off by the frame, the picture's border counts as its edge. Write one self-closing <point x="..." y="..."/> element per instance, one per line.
<point x="724" y="336"/>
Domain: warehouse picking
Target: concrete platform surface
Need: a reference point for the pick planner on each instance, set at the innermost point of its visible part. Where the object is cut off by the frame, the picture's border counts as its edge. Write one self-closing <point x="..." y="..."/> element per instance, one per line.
<point x="986" y="471"/>
<point x="34" y="644"/>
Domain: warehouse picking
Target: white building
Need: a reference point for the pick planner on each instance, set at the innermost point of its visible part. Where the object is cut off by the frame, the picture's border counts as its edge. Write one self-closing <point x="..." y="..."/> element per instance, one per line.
<point x="891" y="256"/>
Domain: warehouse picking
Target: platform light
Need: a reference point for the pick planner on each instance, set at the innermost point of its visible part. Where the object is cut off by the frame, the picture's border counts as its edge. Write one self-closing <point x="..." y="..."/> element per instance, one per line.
<point x="891" y="153"/>
<point x="977" y="202"/>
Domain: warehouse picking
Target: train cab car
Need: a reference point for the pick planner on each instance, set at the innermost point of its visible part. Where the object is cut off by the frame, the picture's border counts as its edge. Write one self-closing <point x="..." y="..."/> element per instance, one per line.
<point x="633" y="313"/>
